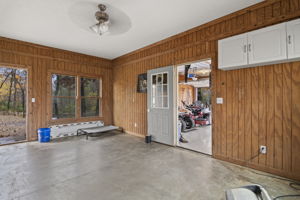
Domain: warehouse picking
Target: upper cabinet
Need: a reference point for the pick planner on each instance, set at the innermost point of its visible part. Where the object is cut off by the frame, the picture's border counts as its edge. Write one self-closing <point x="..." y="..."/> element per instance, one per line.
<point x="267" y="45"/>
<point x="293" y="39"/>
<point x="274" y="44"/>
<point x="233" y="51"/>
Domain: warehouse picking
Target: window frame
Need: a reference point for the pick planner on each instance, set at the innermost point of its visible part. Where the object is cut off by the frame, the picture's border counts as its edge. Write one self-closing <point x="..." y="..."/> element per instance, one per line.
<point x="63" y="97"/>
<point x="98" y="97"/>
<point x="168" y="92"/>
<point x="77" y="117"/>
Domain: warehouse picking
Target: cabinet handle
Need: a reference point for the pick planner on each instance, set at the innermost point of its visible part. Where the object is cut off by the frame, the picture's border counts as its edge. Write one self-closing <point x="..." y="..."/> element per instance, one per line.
<point x="289" y="39"/>
<point x="245" y="48"/>
<point x="249" y="47"/>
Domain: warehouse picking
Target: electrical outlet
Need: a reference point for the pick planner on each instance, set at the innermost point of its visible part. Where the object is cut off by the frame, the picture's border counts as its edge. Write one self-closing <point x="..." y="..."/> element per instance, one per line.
<point x="263" y="149"/>
<point x="219" y="100"/>
<point x="135" y="125"/>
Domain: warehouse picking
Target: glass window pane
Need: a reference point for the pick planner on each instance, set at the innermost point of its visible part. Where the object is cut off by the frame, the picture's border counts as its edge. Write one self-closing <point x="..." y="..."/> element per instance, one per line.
<point x="63" y="108"/>
<point x="89" y="107"/>
<point x="153" y="102"/>
<point x="159" y="78"/>
<point x="158" y="103"/>
<point x="159" y="91"/>
<point x="165" y="102"/>
<point x="63" y="85"/>
<point x="165" y="90"/>
<point x="165" y="81"/>
<point x="153" y="79"/>
<point x="89" y="87"/>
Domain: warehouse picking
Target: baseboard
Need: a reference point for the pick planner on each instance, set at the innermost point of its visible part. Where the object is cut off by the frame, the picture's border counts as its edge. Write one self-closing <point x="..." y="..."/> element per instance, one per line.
<point x="289" y="175"/>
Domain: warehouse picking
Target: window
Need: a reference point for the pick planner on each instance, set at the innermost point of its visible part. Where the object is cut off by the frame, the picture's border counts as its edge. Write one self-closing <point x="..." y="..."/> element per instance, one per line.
<point x="63" y="96"/>
<point x="160" y="91"/>
<point x="90" y="97"/>
<point x="75" y="97"/>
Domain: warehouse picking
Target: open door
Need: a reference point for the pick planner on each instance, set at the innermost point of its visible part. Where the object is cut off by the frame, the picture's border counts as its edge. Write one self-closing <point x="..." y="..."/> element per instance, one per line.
<point x="160" y="105"/>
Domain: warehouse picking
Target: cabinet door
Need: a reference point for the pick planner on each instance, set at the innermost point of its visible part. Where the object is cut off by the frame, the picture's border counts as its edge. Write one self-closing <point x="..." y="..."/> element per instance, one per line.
<point x="293" y="39"/>
<point x="232" y="52"/>
<point x="267" y="45"/>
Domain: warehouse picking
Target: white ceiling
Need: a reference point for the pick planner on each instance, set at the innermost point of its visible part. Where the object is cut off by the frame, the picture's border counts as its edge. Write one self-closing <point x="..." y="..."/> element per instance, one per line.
<point x="65" y="24"/>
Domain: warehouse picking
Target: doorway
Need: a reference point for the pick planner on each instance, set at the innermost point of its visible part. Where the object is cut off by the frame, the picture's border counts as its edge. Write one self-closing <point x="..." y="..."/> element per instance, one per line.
<point x="194" y="108"/>
<point x="13" y="109"/>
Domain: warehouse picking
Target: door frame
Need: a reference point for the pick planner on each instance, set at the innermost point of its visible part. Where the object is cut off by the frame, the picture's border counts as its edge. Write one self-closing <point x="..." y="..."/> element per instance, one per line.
<point x="214" y="63"/>
<point x="28" y="97"/>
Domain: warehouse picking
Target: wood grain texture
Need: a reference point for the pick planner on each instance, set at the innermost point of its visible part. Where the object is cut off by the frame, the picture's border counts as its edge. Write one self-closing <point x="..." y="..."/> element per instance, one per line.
<point x="261" y="105"/>
<point x="40" y="60"/>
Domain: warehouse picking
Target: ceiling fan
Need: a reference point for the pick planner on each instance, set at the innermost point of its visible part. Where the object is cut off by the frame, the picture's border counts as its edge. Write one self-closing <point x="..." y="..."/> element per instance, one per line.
<point x="102" y="17"/>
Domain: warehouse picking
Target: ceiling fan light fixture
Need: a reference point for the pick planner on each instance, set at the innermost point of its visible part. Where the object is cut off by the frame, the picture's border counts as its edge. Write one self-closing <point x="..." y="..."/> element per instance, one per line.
<point x="100" y="28"/>
<point x="102" y="17"/>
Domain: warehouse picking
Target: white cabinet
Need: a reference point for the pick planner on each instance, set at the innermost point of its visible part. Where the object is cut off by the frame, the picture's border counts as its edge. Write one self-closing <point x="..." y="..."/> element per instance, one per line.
<point x="233" y="52"/>
<point x="267" y="45"/>
<point x="293" y="39"/>
<point x="271" y="45"/>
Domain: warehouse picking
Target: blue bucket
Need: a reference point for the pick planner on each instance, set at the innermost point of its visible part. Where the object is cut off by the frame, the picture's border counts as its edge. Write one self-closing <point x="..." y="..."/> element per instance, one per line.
<point x="44" y="134"/>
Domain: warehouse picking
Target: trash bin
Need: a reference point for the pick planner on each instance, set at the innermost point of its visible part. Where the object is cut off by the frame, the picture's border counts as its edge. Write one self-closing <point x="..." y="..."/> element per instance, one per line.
<point x="44" y="134"/>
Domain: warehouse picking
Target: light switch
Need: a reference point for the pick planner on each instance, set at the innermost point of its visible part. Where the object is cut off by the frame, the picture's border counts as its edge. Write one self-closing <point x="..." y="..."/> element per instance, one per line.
<point x="219" y="100"/>
<point x="32" y="100"/>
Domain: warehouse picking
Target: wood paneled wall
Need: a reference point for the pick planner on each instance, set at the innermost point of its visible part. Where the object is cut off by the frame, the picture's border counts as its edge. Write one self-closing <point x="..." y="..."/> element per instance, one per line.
<point x="261" y="105"/>
<point x="187" y="94"/>
<point x="41" y="59"/>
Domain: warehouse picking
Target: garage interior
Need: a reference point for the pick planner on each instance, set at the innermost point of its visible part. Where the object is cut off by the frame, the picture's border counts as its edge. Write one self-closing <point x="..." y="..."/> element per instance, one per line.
<point x="194" y="106"/>
<point x="76" y="67"/>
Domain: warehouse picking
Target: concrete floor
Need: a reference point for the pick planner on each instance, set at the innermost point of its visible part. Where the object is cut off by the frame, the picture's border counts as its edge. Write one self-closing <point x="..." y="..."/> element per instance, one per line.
<point x="12" y="139"/>
<point x="199" y="139"/>
<point x="118" y="166"/>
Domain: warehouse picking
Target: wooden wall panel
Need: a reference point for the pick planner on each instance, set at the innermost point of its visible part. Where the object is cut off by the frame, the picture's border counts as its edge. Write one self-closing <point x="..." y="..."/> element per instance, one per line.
<point x="261" y="105"/>
<point x="295" y="117"/>
<point x="40" y="59"/>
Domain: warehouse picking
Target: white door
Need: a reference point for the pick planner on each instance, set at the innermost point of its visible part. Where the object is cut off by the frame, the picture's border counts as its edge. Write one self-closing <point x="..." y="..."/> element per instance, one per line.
<point x="233" y="52"/>
<point x="293" y="39"/>
<point x="160" y="105"/>
<point x="267" y="45"/>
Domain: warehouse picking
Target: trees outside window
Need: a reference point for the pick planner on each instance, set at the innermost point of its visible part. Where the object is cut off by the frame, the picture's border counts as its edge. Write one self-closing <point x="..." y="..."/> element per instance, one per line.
<point x="63" y="96"/>
<point x="75" y="97"/>
<point x="90" y="97"/>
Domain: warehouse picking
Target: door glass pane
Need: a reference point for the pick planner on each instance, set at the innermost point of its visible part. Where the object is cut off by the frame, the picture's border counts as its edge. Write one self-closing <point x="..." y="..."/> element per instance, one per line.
<point x="159" y="78"/>
<point x="160" y="90"/>
<point x="154" y="79"/>
<point x="63" y="108"/>
<point x="153" y="102"/>
<point x="158" y="102"/>
<point x="165" y="102"/>
<point x="89" y="107"/>
<point x="165" y="90"/>
<point x="165" y="81"/>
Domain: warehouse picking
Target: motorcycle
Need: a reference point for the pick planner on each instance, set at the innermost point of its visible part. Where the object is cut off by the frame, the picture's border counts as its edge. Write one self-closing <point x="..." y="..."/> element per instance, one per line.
<point x="186" y="120"/>
<point x="200" y="115"/>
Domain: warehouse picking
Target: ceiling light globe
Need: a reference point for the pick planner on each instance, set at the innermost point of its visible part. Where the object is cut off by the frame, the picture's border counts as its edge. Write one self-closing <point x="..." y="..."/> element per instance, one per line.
<point x="103" y="28"/>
